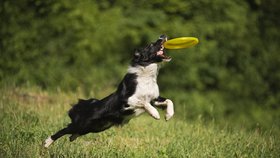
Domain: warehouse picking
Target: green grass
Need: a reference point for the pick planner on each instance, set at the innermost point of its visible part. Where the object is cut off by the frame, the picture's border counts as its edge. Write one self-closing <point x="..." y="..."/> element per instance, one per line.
<point x="29" y="116"/>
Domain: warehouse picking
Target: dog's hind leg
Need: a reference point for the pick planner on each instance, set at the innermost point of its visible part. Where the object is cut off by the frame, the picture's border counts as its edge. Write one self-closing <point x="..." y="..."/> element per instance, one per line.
<point x="73" y="137"/>
<point x="57" y="135"/>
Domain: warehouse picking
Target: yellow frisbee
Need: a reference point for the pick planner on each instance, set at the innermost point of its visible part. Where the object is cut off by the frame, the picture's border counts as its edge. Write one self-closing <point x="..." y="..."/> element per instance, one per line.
<point x="181" y="42"/>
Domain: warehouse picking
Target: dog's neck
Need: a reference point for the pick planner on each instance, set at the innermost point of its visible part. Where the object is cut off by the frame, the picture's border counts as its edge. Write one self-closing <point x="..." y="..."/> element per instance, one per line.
<point x="145" y="71"/>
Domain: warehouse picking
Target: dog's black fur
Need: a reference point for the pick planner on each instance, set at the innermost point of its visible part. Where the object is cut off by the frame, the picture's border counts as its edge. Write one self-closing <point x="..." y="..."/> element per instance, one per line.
<point x="95" y="115"/>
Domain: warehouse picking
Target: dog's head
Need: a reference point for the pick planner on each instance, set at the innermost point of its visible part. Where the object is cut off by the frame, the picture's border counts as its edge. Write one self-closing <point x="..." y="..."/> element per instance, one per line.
<point x="152" y="53"/>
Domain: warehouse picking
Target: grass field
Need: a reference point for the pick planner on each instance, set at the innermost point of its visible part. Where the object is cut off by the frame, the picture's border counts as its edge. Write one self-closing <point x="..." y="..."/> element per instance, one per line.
<point x="29" y="115"/>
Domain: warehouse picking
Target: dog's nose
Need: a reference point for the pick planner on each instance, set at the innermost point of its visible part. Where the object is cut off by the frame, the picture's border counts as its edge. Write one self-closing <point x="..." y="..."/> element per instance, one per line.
<point x="163" y="37"/>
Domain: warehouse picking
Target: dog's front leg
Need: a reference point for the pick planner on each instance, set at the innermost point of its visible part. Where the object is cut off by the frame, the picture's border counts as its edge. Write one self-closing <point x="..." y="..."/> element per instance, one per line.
<point x="148" y="108"/>
<point x="163" y="102"/>
<point x="152" y="111"/>
<point x="137" y="103"/>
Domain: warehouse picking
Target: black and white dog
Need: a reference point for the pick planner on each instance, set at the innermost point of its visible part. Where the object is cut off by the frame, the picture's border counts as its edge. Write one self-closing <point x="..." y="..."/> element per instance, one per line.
<point x="138" y="92"/>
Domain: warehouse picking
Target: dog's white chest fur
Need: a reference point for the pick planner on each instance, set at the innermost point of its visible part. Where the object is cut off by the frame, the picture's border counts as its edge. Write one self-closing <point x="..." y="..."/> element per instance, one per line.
<point x="147" y="87"/>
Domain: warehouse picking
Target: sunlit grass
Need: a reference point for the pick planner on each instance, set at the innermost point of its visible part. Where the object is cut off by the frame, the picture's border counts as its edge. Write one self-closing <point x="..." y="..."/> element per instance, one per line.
<point x="28" y="116"/>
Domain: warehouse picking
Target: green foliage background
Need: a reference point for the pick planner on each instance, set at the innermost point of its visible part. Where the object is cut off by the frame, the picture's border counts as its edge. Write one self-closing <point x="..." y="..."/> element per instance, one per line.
<point x="232" y="74"/>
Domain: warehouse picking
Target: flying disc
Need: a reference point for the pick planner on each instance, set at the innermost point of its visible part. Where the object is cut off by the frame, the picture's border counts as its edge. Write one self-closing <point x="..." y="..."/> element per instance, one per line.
<point x="181" y="42"/>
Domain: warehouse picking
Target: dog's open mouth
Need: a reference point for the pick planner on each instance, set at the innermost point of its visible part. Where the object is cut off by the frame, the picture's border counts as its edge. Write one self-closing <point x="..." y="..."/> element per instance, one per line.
<point x="161" y="53"/>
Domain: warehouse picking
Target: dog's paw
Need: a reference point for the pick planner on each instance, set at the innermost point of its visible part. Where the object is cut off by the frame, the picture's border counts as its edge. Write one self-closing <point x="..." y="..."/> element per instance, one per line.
<point x="169" y="110"/>
<point x="152" y="111"/>
<point x="48" y="142"/>
<point x="168" y="116"/>
<point x="156" y="115"/>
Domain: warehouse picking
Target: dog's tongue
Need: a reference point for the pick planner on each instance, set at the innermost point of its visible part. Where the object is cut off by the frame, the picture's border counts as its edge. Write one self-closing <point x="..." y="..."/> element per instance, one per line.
<point x="160" y="52"/>
<point x="162" y="55"/>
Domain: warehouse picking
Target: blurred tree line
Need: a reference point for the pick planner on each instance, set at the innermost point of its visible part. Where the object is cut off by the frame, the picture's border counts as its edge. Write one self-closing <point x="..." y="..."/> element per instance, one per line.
<point x="88" y="44"/>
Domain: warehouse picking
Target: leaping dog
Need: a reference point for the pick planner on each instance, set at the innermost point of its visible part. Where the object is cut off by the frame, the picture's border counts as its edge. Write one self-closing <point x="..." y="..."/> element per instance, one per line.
<point x="138" y="92"/>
